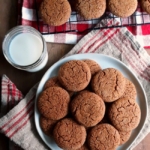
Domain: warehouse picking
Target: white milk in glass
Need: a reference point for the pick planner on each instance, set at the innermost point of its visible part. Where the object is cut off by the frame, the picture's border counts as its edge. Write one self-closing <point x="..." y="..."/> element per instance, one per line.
<point x="25" y="49"/>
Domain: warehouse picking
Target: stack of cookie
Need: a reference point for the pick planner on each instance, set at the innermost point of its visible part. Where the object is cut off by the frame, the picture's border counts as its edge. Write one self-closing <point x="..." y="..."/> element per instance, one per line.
<point x="85" y="107"/>
<point x="56" y="13"/>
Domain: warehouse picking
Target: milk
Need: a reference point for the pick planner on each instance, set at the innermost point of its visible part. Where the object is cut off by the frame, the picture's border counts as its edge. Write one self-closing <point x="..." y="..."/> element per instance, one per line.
<point x="25" y="49"/>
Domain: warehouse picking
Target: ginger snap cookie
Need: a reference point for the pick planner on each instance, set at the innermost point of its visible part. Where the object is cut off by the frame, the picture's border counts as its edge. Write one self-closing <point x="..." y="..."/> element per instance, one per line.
<point x="68" y="134"/>
<point x="93" y="65"/>
<point x="103" y="137"/>
<point x="91" y="9"/>
<point x="74" y="75"/>
<point x="52" y="82"/>
<point x="53" y="103"/>
<point x="122" y="8"/>
<point x="88" y="108"/>
<point x="130" y="90"/>
<point x="109" y="84"/>
<point x="124" y="136"/>
<point x="55" y="12"/>
<point x="84" y="147"/>
<point x="47" y="125"/>
<point x="145" y="4"/>
<point x="125" y="114"/>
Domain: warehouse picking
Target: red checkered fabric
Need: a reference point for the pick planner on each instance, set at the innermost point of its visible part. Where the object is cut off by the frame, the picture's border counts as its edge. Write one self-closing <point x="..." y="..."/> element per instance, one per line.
<point x="28" y="12"/>
<point x="10" y="96"/>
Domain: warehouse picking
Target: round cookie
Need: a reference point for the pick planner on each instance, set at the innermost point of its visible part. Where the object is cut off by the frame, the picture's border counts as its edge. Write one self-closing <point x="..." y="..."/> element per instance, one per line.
<point x="109" y="84"/>
<point x="52" y="82"/>
<point x="124" y="136"/>
<point x="53" y="103"/>
<point x="47" y="125"/>
<point x="91" y="9"/>
<point x="69" y="135"/>
<point x="88" y="108"/>
<point x="125" y="114"/>
<point x="130" y="90"/>
<point x="145" y="4"/>
<point x="94" y="66"/>
<point x="103" y="137"/>
<point x="74" y="75"/>
<point x="84" y="147"/>
<point x="122" y="8"/>
<point x="54" y="12"/>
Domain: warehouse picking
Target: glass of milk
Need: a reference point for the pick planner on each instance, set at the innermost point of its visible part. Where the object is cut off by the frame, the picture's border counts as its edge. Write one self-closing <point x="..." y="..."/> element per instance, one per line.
<point x="25" y="49"/>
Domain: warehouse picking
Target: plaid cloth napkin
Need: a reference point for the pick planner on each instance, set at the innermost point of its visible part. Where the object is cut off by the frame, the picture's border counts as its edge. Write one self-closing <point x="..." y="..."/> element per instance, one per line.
<point x="27" y="14"/>
<point x="18" y="123"/>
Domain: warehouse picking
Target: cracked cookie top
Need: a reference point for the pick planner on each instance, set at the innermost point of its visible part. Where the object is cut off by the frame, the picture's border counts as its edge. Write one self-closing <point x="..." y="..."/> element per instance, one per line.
<point x="69" y="135"/>
<point x="53" y="103"/>
<point x="109" y="84"/>
<point x="145" y="5"/>
<point x="130" y="90"/>
<point x="55" y="12"/>
<point x="88" y="108"/>
<point x="125" y="114"/>
<point x="104" y="137"/>
<point x="91" y="9"/>
<point x="122" y="8"/>
<point x="74" y="75"/>
<point x="94" y="66"/>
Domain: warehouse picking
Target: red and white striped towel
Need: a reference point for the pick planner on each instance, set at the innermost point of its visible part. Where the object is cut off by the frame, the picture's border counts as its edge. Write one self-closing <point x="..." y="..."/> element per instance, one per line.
<point x="27" y="15"/>
<point x="18" y="123"/>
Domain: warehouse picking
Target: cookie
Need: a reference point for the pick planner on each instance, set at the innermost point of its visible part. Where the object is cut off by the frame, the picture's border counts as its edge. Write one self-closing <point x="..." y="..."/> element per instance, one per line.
<point x="52" y="82"/>
<point x="145" y="4"/>
<point x="54" y="12"/>
<point x="91" y="9"/>
<point x="94" y="66"/>
<point x="103" y="137"/>
<point x="88" y="108"/>
<point x="53" y="103"/>
<point x="124" y="136"/>
<point x="130" y="90"/>
<point x="109" y="84"/>
<point x="47" y="125"/>
<point x="125" y="114"/>
<point x="74" y="75"/>
<point x="69" y="135"/>
<point x="122" y="8"/>
<point x="84" y="147"/>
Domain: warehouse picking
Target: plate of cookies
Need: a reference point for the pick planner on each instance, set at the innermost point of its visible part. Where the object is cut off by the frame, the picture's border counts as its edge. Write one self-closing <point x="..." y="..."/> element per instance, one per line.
<point x="89" y="102"/>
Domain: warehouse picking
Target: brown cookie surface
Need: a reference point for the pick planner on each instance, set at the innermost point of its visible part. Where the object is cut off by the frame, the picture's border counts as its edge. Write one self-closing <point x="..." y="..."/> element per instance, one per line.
<point x="109" y="84"/>
<point x="53" y="103"/>
<point x="130" y="90"/>
<point x="55" y="12"/>
<point x="47" y="125"/>
<point x="124" y="136"/>
<point x="104" y="137"/>
<point x="122" y="8"/>
<point x="74" y="75"/>
<point x="93" y="65"/>
<point x="69" y="135"/>
<point x="145" y="5"/>
<point x="52" y="82"/>
<point x="84" y="147"/>
<point x="91" y="9"/>
<point x="125" y="114"/>
<point x="88" y="108"/>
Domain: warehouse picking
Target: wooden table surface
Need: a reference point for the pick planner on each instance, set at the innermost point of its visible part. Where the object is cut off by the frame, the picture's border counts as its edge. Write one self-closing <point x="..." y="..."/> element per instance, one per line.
<point x="24" y="80"/>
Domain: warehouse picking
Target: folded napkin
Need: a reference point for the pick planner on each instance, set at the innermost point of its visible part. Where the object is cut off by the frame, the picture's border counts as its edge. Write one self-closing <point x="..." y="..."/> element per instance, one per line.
<point x="28" y="15"/>
<point x="18" y="124"/>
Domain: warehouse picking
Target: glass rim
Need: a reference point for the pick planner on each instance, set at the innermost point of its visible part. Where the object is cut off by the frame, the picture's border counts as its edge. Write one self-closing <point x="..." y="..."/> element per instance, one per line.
<point x="35" y="64"/>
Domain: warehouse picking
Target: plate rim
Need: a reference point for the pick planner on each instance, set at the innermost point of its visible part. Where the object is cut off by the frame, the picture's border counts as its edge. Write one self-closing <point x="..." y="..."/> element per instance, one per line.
<point x="101" y="55"/>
